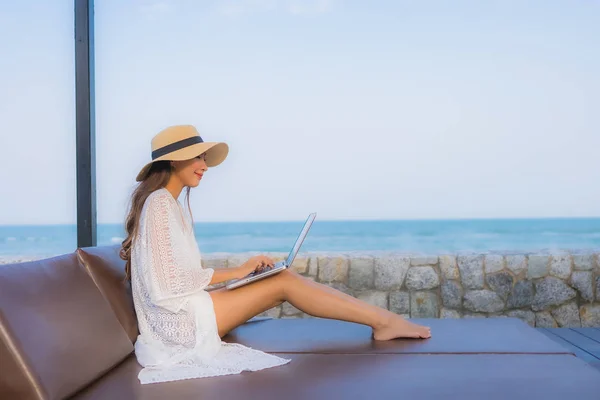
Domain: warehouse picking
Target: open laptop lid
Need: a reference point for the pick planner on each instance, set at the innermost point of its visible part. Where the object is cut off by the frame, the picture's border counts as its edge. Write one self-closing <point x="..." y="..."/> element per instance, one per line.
<point x="300" y="239"/>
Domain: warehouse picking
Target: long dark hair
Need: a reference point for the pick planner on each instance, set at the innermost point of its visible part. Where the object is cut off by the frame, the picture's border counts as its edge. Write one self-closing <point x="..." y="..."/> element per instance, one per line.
<point x="157" y="178"/>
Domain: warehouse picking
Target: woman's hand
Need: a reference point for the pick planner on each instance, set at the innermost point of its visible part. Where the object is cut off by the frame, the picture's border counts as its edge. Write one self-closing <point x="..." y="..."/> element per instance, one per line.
<point x="255" y="264"/>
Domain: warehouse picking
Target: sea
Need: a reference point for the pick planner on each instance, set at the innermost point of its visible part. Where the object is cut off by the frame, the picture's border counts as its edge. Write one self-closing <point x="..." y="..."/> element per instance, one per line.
<point x="410" y="236"/>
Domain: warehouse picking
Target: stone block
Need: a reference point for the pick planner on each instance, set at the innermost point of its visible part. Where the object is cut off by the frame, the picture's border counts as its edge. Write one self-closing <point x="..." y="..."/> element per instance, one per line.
<point x="521" y="295"/>
<point x="501" y="283"/>
<point x="300" y="264"/>
<point x="288" y="310"/>
<point x="449" y="314"/>
<point x="525" y="315"/>
<point x="493" y="263"/>
<point x="424" y="305"/>
<point x="551" y="291"/>
<point x="423" y="260"/>
<point x="280" y="257"/>
<point x="333" y="269"/>
<point x="274" y="312"/>
<point x="452" y="294"/>
<point x="583" y="282"/>
<point x="376" y="298"/>
<point x="313" y="266"/>
<point x="400" y="302"/>
<point x="474" y="315"/>
<point x="544" y="319"/>
<point x="449" y="267"/>
<point x="482" y="301"/>
<point x="236" y="260"/>
<point x="471" y="271"/>
<point x="361" y="275"/>
<point x="516" y="263"/>
<point x="390" y="272"/>
<point x="422" y="278"/>
<point x="538" y="266"/>
<point x="590" y="315"/>
<point x="209" y="262"/>
<point x="560" y="266"/>
<point x="567" y="315"/>
<point x="583" y="262"/>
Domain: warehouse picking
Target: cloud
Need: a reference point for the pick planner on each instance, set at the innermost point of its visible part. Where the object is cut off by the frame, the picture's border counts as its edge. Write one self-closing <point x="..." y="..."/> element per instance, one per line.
<point x="294" y="7"/>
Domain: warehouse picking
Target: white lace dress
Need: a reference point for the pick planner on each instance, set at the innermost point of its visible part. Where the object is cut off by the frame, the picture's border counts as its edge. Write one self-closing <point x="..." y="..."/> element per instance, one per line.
<point x="178" y="331"/>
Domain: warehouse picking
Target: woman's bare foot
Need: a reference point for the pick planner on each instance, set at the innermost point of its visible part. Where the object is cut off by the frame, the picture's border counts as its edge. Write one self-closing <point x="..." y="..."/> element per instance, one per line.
<point x="398" y="327"/>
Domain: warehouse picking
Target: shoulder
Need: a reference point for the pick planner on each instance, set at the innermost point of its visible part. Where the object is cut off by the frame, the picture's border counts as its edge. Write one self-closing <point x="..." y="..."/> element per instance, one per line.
<point x="159" y="201"/>
<point x="159" y="213"/>
<point x="159" y="195"/>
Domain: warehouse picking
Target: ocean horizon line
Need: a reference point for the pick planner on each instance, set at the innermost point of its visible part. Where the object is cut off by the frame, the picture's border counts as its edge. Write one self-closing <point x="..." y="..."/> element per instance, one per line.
<point x="457" y="219"/>
<point x="338" y="235"/>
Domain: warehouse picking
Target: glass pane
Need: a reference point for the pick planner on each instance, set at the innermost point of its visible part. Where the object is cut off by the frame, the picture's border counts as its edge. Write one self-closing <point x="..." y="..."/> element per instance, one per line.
<point x="376" y="111"/>
<point x="37" y="138"/>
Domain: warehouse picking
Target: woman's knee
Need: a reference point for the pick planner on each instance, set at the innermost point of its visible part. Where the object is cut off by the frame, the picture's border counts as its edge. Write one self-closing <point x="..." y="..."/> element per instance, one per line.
<point x="286" y="278"/>
<point x="288" y="275"/>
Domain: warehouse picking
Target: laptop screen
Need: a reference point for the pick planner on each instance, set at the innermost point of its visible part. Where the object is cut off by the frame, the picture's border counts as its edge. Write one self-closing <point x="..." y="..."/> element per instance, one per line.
<point x="300" y="239"/>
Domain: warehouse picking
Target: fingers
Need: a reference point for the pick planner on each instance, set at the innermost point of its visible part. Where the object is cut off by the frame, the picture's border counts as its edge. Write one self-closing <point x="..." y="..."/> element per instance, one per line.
<point x="264" y="262"/>
<point x="269" y="261"/>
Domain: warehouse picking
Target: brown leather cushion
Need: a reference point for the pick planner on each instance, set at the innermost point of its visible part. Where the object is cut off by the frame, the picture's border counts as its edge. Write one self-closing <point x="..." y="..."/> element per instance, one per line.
<point x="317" y="335"/>
<point x="14" y="373"/>
<point x="107" y="270"/>
<point x="58" y="332"/>
<point x="374" y="376"/>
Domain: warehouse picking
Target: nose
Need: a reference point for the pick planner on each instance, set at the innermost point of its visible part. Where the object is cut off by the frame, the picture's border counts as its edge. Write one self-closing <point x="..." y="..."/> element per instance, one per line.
<point x="203" y="165"/>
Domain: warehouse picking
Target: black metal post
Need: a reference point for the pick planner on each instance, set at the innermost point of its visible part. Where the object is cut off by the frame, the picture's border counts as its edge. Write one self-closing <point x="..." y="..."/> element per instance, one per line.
<point x="85" y="123"/>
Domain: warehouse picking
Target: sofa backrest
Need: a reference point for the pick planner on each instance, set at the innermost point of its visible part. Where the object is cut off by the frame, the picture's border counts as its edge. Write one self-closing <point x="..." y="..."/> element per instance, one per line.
<point x="57" y="331"/>
<point x="107" y="270"/>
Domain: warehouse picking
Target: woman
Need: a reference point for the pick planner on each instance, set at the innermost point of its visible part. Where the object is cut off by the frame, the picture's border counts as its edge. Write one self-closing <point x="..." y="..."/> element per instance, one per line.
<point x="181" y="324"/>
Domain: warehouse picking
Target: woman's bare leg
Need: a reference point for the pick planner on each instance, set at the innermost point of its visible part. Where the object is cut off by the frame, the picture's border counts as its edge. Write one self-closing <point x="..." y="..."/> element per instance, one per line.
<point x="234" y="307"/>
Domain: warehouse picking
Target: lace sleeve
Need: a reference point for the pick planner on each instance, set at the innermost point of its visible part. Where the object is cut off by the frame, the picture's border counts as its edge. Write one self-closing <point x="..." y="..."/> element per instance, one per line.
<point x="172" y="269"/>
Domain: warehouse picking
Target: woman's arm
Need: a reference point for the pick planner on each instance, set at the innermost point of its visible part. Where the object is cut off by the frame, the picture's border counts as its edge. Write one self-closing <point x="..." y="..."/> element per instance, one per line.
<point x="165" y="263"/>
<point x="224" y="274"/>
<point x="256" y="263"/>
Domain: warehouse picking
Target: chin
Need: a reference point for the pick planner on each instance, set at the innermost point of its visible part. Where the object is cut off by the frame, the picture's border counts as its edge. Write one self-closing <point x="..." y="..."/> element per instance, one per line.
<point x="194" y="181"/>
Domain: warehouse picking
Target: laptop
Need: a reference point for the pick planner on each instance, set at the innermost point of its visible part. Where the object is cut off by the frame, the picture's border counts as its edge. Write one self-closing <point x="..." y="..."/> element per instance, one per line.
<point x="281" y="265"/>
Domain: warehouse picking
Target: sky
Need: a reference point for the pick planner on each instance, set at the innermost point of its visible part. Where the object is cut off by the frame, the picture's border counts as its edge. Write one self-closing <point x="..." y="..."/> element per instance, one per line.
<point x="352" y="109"/>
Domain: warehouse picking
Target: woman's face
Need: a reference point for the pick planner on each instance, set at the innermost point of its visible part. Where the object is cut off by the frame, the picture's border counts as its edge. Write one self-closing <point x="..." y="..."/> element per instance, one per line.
<point x="189" y="172"/>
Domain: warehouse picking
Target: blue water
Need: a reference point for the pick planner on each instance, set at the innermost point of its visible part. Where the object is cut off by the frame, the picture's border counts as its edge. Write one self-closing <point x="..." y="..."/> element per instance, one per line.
<point x="405" y="236"/>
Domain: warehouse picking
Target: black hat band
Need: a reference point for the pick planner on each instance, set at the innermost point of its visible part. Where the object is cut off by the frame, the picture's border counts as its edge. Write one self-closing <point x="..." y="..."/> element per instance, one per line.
<point x="176" y="146"/>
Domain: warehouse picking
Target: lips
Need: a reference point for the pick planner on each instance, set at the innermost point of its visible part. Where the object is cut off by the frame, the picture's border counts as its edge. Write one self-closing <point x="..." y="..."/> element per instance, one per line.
<point x="198" y="175"/>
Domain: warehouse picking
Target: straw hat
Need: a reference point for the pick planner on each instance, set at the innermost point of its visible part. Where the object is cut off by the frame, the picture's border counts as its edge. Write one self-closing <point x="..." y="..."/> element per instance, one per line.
<point x="183" y="142"/>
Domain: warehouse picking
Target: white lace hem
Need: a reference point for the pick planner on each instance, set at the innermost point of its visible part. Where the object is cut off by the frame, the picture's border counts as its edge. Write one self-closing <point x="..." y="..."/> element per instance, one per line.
<point x="232" y="359"/>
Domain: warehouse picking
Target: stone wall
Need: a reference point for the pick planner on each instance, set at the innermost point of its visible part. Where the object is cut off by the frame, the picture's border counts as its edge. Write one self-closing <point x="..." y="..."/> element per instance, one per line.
<point x="545" y="290"/>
